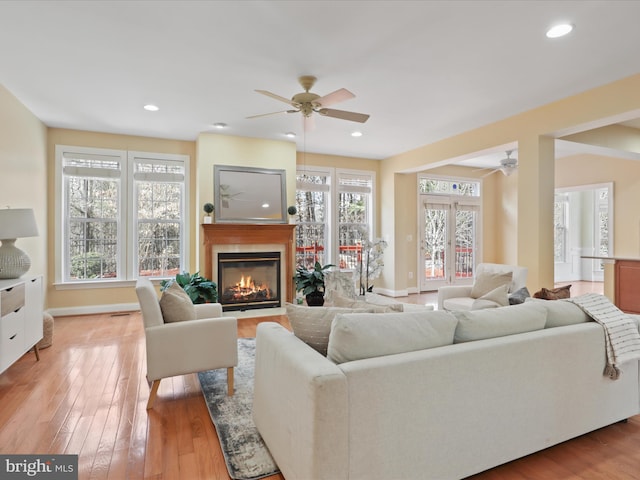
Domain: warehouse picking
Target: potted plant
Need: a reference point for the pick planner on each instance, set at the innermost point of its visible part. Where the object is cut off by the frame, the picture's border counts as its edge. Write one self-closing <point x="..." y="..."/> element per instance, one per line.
<point x="208" y="209"/>
<point x="292" y="210"/>
<point x="199" y="289"/>
<point x="311" y="283"/>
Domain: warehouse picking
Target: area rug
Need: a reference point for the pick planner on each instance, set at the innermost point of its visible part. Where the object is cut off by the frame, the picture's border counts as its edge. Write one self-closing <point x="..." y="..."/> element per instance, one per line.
<point x="245" y="453"/>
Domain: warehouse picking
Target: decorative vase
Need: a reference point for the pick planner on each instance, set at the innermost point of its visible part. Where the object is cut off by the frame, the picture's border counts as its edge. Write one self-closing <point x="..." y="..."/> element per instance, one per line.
<point x="315" y="299"/>
<point x="208" y="219"/>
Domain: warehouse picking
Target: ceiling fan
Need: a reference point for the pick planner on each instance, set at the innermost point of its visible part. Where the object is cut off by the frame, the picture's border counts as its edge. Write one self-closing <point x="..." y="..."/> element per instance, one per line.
<point x="507" y="166"/>
<point x="308" y="103"/>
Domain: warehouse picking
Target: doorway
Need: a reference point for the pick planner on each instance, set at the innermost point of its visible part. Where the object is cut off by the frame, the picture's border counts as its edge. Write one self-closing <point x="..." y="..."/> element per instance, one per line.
<point x="583" y="217"/>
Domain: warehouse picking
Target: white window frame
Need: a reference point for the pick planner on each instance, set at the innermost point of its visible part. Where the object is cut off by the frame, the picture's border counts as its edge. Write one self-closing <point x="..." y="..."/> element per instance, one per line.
<point x="127" y="227"/>
<point x="334" y="189"/>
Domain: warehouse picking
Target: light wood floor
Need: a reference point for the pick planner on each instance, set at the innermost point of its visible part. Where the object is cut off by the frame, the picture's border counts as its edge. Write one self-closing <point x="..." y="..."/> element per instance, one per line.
<point x="88" y="392"/>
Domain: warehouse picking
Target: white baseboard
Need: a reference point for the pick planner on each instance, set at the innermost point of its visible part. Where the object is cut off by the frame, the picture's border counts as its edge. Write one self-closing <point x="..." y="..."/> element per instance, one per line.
<point x="94" y="309"/>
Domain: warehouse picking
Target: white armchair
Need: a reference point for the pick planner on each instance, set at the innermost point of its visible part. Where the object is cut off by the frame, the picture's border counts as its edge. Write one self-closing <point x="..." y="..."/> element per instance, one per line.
<point x="207" y="343"/>
<point x="458" y="297"/>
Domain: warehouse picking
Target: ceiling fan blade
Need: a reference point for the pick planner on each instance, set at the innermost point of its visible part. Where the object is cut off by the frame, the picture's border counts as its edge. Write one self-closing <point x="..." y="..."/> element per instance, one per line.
<point x="308" y="123"/>
<point x="344" y="115"/>
<point x="278" y="97"/>
<point x="272" y="113"/>
<point x="490" y="173"/>
<point x="334" y="97"/>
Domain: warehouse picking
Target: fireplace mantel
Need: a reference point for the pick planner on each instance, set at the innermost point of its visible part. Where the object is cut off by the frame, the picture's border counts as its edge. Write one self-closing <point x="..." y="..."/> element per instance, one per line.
<point x="251" y="234"/>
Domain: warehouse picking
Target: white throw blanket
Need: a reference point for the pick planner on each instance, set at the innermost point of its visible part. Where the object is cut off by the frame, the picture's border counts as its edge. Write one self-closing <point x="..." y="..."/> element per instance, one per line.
<point x="621" y="335"/>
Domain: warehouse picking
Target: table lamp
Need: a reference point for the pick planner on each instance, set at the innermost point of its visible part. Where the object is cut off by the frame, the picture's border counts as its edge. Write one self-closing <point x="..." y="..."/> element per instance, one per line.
<point x="15" y="223"/>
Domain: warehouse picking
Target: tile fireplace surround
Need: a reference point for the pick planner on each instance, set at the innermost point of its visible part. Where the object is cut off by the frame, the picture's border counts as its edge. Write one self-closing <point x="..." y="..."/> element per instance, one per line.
<point x="250" y="237"/>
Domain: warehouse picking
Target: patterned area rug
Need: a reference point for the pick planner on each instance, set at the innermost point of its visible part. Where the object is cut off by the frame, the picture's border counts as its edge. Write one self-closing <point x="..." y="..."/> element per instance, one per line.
<point x="245" y="453"/>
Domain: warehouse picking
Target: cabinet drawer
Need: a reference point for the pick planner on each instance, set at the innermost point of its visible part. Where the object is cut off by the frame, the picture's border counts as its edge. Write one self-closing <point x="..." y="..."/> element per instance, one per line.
<point x="11" y="299"/>
<point x="12" y="336"/>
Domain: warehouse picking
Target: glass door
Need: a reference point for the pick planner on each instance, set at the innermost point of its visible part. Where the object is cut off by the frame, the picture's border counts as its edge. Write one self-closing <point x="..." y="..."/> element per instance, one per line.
<point x="449" y="233"/>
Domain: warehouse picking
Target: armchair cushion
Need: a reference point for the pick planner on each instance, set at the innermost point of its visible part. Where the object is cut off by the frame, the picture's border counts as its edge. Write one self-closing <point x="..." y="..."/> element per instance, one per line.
<point x="487" y="281"/>
<point x="497" y="297"/>
<point x="176" y="305"/>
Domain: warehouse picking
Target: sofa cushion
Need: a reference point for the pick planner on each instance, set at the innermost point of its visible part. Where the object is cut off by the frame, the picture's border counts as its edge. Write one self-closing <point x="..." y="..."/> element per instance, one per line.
<point x="561" y="313"/>
<point x="357" y="336"/>
<point x="340" y="301"/>
<point x="498" y="297"/>
<point x="488" y="281"/>
<point x="458" y="303"/>
<point x="519" y="296"/>
<point x="498" y="322"/>
<point x="176" y="305"/>
<point x="313" y="324"/>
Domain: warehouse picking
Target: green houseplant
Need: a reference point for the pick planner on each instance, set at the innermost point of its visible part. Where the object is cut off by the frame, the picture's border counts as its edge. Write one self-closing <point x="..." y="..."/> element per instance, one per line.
<point x="199" y="289"/>
<point x="311" y="283"/>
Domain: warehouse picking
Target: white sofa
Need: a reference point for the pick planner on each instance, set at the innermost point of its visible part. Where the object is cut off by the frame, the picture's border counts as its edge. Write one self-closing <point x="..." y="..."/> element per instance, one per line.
<point x="436" y="413"/>
<point x="459" y="297"/>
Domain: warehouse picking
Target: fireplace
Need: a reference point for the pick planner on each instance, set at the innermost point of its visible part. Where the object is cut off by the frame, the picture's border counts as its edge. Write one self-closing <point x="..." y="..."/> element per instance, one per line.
<point x="249" y="280"/>
<point x="223" y="238"/>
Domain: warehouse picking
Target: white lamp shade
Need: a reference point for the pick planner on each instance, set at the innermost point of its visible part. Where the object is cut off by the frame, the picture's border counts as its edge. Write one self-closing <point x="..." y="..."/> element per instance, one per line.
<point x="17" y="223"/>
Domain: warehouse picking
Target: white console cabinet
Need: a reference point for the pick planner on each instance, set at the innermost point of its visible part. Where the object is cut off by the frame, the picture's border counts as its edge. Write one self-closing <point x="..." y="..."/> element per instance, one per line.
<point x="21" y="302"/>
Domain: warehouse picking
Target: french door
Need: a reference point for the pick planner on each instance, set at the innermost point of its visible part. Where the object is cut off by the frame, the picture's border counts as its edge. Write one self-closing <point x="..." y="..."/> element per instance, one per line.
<point x="449" y="230"/>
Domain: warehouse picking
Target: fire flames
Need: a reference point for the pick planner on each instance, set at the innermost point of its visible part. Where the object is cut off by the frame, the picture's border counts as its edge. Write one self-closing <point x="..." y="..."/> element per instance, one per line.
<point x="247" y="289"/>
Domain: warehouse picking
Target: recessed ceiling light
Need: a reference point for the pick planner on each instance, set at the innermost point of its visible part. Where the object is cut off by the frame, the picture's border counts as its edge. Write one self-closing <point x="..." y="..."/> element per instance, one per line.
<point x="265" y="205"/>
<point x="559" y="30"/>
<point x="151" y="108"/>
<point x="220" y="125"/>
<point x="290" y="135"/>
<point x="356" y="134"/>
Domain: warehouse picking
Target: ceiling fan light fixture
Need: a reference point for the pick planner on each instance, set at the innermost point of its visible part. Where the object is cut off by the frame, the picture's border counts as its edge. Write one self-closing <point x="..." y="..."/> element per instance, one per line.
<point x="559" y="30"/>
<point x="507" y="170"/>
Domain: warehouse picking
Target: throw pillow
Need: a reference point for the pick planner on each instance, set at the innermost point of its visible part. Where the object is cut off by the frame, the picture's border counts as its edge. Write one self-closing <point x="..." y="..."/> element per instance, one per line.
<point x="176" y="305"/>
<point x="498" y="322"/>
<point x="519" y="296"/>
<point x="488" y="281"/>
<point x="313" y="324"/>
<point x="357" y="336"/>
<point x="553" y="293"/>
<point x="338" y="283"/>
<point x="498" y="297"/>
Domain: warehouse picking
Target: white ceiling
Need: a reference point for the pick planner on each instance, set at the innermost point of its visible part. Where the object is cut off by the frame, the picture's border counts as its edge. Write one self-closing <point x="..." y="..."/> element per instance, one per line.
<point x="423" y="70"/>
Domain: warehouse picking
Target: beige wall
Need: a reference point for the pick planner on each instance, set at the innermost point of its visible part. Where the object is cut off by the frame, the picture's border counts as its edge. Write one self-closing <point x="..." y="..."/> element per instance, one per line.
<point x="105" y="296"/>
<point x="214" y="149"/>
<point x="23" y="181"/>
<point x="533" y="131"/>
<point x="625" y="175"/>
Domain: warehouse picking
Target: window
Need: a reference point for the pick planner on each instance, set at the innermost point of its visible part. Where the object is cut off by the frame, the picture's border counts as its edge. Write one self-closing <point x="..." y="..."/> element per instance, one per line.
<point x="335" y="214"/>
<point x="560" y="227"/>
<point x="121" y="215"/>
<point x="355" y="216"/>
